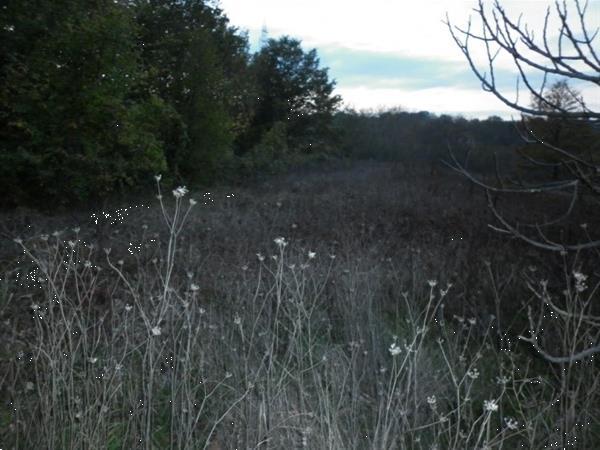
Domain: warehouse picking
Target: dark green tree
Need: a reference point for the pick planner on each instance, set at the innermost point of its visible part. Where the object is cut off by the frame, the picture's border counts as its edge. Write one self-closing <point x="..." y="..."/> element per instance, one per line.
<point x="292" y="90"/>
<point x="198" y="65"/>
<point x="77" y="122"/>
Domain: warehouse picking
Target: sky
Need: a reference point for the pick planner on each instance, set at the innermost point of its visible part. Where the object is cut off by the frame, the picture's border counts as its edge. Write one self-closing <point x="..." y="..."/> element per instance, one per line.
<point x="398" y="53"/>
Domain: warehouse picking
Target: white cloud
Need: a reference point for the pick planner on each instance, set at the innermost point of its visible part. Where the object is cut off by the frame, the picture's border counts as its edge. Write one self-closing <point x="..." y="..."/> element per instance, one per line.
<point x="404" y="27"/>
<point x="441" y="100"/>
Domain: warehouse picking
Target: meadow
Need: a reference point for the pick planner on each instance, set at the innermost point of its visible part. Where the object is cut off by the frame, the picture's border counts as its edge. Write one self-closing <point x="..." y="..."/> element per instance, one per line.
<point x="365" y="305"/>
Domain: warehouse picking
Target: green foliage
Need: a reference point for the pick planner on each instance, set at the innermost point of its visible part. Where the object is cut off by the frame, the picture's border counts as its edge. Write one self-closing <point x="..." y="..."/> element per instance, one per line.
<point x="197" y="64"/>
<point x="96" y="97"/>
<point x="270" y="155"/>
<point x="293" y="89"/>
<point x="76" y="119"/>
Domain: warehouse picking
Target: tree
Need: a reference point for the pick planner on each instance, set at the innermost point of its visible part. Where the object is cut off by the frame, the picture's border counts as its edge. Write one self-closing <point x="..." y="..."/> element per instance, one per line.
<point x="561" y="132"/>
<point x="571" y="57"/>
<point x="292" y="89"/>
<point x="76" y="120"/>
<point x="198" y="64"/>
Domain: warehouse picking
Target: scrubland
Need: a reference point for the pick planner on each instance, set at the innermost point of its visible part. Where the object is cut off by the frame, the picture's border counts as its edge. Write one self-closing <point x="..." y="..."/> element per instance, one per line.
<point x="366" y="306"/>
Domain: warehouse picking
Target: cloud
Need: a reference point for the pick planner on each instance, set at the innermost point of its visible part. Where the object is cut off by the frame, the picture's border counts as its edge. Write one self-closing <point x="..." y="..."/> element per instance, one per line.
<point x="441" y="100"/>
<point x="361" y="67"/>
<point x="394" y="52"/>
<point x="406" y="28"/>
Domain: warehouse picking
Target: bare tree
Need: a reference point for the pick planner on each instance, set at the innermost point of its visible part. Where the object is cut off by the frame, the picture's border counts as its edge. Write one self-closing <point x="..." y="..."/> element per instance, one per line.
<point x="545" y="65"/>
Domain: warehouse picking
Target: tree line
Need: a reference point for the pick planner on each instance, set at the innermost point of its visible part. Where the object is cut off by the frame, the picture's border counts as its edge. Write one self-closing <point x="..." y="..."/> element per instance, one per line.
<point x="98" y="96"/>
<point x="95" y="97"/>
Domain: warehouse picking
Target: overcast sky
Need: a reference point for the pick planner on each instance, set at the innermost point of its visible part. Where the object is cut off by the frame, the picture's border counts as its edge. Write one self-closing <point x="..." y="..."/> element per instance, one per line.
<point x="389" y="53"/>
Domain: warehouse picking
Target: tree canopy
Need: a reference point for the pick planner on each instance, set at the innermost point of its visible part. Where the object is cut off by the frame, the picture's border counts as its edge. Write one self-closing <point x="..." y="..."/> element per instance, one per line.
<point x="96" y="97"/>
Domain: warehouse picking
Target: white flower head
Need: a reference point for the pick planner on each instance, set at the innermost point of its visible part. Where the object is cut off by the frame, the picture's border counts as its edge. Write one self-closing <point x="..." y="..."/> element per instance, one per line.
<point x="158" y="177"/>
<point x="580" y="279"/>
<point x="92" y="360"/>
<point x="35" y="306"/>
<point x="511" y="423"/>
<point x="128" y="308"/>
<point x="280" y="241"/>
<point x="394" y="349"/>
<point x="156" y="331"/>
<point x="193" y="202"/>
<point x="180" y="192"/>
<point x="432" y="283"/>
<point x="431" y="401"/>
<point x="260" y="257"/>
<point x="311" y="255"/>
<point x="237" y="320"/>
<point x="490" y="405"/>
<point x="473" y="374"/>
<point x="194" y="287"/>
<point x="502" y="380"/>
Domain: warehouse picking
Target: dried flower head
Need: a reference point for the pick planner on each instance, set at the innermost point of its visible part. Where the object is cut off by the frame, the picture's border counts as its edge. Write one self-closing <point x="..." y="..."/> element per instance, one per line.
<point x="473" y="373"/>
<point x="180" y="192"/>
<point x="490" y="405"/>
<point x="580" y="281"/>
<point x="280" y="241"/>
<point x="394" y="349"/>
<point x="511" y="423"/>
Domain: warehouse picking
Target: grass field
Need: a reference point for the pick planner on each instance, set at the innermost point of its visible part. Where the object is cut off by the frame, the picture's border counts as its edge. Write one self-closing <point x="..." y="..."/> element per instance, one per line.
<point x="362" y="306"/>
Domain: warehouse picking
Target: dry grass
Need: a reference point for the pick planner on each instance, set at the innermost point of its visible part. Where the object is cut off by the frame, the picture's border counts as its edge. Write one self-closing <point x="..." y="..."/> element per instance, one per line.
<point x="183" y="337"/>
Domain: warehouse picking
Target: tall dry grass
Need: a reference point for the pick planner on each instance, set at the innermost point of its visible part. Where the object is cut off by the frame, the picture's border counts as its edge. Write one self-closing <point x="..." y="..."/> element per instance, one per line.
<point x="346" y="310"/>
